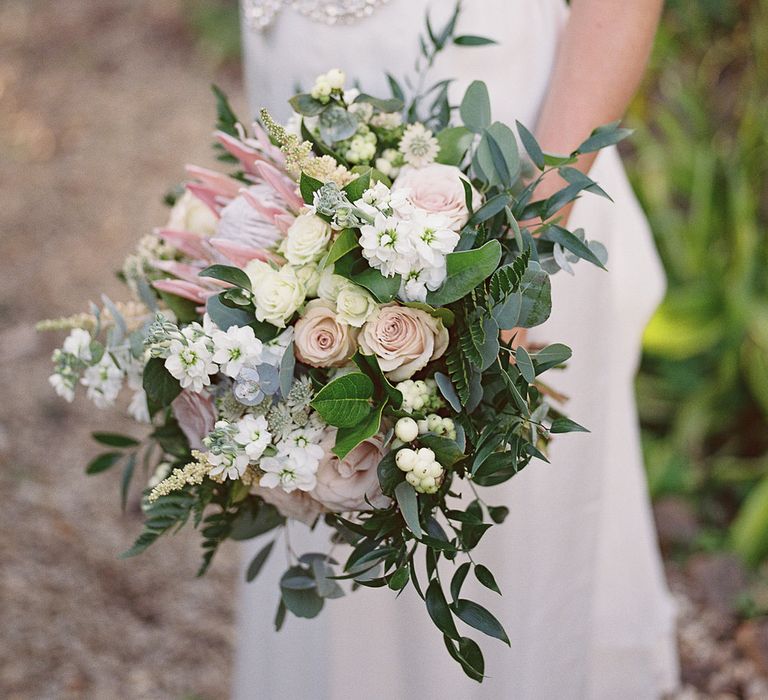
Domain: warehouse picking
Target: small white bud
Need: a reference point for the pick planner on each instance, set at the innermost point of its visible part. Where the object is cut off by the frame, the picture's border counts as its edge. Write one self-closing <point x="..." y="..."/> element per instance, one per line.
<point x="412" y="479"/>
<point x="421" y="470"/>
<point x="434" y="470"/>
<point x="427" y="482"/>
<point x="406" y="429"/>
<point x="423" y="427"/>
<point x="434" y="422"/>
<point x="405" y="459"/>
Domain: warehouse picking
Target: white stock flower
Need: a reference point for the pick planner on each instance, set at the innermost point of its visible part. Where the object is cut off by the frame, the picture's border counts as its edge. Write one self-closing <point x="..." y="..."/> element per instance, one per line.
<point x="418" y="146"/>
<point x="137" y="408"/>
<point x="104" y="381"/>
<point x="191" y="364"/>
<point x="234" y="348"/>
<point x="78" y="343"/>
<point x="307" y="240"/>
<point x="227" y="464"/>
<point x="354" y="305"/>
<point x="415" y="285"/>
<point x="433" y="238"/>
<point x="387" y="245"/>
<point x="253" y="435"/>
<point x="288" y="472"/>
<point x="64" y="386"/>
<point x="277" y="294"/>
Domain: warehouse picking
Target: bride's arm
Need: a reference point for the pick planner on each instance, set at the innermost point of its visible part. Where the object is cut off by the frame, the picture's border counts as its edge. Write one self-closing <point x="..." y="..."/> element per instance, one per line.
<point x="600" y="61"/>
<point x="601" y="58"/>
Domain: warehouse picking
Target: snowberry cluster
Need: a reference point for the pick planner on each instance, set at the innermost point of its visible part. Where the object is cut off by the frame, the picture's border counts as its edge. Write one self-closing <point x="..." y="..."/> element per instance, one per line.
<point x="420" y="395"/>
<point x="327" y="84"/>
<point x="422" y="470"/>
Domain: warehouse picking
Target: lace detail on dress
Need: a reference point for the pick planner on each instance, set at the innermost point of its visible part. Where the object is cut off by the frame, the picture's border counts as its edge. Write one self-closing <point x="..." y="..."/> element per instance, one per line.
<point x="260" y="13"/>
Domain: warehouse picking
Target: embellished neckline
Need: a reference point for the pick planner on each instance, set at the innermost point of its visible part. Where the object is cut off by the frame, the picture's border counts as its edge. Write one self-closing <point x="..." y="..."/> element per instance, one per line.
<point x="259" y="14"/>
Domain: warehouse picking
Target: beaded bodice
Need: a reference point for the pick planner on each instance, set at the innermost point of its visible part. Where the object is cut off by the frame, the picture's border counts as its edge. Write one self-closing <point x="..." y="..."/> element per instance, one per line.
<point x="260" y="13"/>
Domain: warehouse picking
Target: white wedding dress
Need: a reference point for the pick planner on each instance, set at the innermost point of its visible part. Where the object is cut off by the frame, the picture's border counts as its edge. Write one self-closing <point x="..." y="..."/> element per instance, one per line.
<point x="585" y="602"/>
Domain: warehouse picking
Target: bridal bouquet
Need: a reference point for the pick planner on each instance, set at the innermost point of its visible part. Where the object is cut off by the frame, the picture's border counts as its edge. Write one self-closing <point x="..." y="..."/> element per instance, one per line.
<point x="316" y="336"/>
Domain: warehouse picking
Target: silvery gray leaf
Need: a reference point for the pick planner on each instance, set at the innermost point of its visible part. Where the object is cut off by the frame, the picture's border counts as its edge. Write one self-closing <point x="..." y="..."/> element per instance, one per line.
<point x="561" y="259"/>
<point x="600" y="251"/>
<point x="337" y="124"/>
<point x="247" y="388"/>
<point x="269" y="378"/>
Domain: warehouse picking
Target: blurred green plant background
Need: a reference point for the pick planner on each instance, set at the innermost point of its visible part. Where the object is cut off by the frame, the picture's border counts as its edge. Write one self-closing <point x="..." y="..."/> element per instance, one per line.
<point x="698" y="163"/>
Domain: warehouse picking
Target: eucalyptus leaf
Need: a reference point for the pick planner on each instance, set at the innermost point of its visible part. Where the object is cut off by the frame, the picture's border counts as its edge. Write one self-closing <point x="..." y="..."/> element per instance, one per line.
<point x="524" y="364"/>
<point x="258" y="562"/>
<point x="465" y="270"/>
<point x="531" y="146"/>
<point x="475" y="109"/>
<point x="306" y="105"/>
<point x="446" y="388"/>
<point x="227" y="273"/>
<point x="536" y="297"/>
<point x="409" y="507"/>
<point x="336" y="124"/>
<point x="225" y="316"/>
<point x="454" y="143"/>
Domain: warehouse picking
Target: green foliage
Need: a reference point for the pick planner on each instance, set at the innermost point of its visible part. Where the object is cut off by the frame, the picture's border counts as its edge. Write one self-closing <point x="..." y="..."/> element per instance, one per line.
<point x="699" y="169"/>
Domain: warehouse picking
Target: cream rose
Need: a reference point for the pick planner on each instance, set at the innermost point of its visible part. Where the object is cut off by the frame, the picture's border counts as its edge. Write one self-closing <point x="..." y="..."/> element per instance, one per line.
<point x="307" y="240"/>
<point x="277" y="294"/>
<point x="343" y="484"/>
<point x="191" y="214"/>
<point x="330" y="285"/>
<point x="309" y="275"/>
<point x="403" y="340"/>
<point x="354" y="305"/>
<point x="320" y="340"/>
<point x="437" y="189"/>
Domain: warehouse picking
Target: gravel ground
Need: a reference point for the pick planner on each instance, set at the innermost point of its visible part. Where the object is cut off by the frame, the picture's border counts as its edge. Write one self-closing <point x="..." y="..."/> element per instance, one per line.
<point x="101" y="104"/>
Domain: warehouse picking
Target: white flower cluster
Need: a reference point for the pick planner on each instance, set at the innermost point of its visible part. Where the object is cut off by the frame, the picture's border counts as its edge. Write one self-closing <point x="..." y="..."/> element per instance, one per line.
<point x="419" y="395"/>
<point x="103" y="373"/>
<point x="327" y="84"/>
<point x="196" y="352"/>
<point x="404" y="240"/>
<point x="289" y="461"/>
<point x="389" y="162"/>
<point x="422" y="470"/>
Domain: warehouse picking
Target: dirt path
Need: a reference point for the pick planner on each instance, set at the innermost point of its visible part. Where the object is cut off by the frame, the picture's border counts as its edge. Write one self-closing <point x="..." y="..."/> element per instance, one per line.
<point x="101" y="105"/>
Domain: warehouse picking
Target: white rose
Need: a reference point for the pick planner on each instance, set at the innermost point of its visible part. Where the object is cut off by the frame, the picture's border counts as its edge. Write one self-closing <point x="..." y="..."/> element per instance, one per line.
<point x="354" y="305"/>
<point x="190" y="214"/>
<point x="438" y="189"/>
<point x="310" y="278"/>
<point x="306" y="240"/>
<point x="330" y="285"/>
<point x="277" y="294"/>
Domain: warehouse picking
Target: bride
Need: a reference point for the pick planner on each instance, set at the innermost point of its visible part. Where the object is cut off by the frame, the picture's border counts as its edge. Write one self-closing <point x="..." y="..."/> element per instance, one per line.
<point x="585" y="601"/>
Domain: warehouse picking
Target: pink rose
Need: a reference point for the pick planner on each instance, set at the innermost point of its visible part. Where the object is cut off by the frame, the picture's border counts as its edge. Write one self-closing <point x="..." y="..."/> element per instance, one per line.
<point x="438" y="189"/>
<point x="196" y="414"/>
<point x="320" y="339"/>
<point x="403" y="340"/>
<point x="343" y="484"/>
<point x="298" y="504"/>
